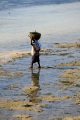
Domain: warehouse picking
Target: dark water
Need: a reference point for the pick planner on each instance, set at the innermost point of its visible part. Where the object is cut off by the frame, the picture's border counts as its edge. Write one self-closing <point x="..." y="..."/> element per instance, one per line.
<point x="5" y="4"/>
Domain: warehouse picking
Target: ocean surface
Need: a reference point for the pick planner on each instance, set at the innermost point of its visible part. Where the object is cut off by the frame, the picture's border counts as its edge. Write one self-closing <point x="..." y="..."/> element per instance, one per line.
<point x="56" y="20"/>
<point x="6" y="4"/>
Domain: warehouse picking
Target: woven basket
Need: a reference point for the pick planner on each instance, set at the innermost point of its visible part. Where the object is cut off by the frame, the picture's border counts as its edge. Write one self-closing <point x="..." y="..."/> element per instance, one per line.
<point x="35" y="35"/>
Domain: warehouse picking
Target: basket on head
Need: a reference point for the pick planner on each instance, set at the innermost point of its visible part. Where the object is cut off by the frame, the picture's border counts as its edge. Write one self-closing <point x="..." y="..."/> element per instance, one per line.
<point x="35" y="35"/>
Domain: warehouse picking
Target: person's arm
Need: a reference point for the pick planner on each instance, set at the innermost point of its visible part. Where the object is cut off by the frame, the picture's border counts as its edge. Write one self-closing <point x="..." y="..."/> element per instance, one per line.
<point x="31" y="42"/>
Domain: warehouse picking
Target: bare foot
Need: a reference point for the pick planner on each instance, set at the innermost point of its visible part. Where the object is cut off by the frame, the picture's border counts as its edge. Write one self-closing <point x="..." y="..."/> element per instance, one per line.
<point x="39" y="67"/>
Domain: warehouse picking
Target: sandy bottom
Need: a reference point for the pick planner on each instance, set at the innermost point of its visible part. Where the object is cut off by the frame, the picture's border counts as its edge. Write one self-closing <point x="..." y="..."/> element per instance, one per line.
<point x="49" y="93"/>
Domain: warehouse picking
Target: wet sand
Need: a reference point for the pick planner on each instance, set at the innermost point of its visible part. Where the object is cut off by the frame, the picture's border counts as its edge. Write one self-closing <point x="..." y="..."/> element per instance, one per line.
<point x="6" y="57"/>
<point x="49" y="93"/>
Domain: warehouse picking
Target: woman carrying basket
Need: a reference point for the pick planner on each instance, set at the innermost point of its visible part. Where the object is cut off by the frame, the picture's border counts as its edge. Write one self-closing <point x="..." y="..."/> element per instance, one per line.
<point x="36" y="46"/>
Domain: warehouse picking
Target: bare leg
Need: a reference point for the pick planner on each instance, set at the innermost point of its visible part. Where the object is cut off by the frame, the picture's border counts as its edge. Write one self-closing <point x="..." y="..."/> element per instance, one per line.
<point x="39" y="64"/>
<point x="31" y="65"/>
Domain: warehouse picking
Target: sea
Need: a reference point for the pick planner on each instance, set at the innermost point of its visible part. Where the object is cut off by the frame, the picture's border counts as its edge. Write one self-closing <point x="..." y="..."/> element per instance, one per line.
<point x="56" y="20"/>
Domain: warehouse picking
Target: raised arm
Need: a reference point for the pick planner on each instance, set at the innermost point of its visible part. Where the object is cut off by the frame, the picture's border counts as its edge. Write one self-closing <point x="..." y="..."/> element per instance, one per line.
<point x="31" y="41"/>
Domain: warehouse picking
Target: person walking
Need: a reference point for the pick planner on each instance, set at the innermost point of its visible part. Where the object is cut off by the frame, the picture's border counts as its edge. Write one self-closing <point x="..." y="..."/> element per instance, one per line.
<point x="36" y="46"/>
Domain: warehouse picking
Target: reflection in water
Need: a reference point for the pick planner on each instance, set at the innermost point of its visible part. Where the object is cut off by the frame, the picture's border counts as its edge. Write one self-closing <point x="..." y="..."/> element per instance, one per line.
<point x="34" y="86"/>
<point x="35" y="78"/>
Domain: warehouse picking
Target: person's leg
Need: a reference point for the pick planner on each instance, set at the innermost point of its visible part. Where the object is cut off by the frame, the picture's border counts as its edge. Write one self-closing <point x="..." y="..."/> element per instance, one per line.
<point x="32" y="62"/>
<point x="39" y="63"/>
<point x="31" y="65"/>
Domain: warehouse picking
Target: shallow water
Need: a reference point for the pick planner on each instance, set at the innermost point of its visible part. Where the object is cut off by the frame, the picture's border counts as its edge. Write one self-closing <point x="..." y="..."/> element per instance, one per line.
<point x="16" y="75"/>
<point x="60" y="25"/>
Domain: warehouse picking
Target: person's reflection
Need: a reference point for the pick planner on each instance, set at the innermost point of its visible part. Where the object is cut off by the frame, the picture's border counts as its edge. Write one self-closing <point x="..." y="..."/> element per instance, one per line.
<point x="35" y="86"/>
